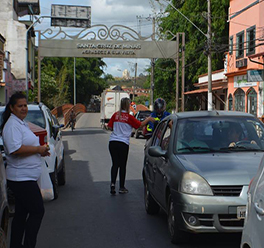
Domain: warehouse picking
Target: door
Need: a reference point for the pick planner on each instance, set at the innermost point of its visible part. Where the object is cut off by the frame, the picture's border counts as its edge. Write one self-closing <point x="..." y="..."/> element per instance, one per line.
<point x="162" y="166"/>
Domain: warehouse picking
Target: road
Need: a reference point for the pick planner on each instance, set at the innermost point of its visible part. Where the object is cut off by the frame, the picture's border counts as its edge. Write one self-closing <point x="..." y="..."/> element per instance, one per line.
<point x="86" y="215"/>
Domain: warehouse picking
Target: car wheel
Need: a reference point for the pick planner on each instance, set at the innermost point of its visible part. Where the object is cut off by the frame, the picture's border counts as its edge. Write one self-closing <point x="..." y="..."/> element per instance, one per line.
<point x="137" y="134"/>
<point x="3" y="243"/>
<point x="176" y="235"/>
<point x="151" y="205"/>
<point x="62" y="173"/>
<point x="55" y="183"/>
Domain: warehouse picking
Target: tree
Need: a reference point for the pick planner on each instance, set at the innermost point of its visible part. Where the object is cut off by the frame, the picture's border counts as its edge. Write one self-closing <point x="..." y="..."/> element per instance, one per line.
<point x="196" y="45"/>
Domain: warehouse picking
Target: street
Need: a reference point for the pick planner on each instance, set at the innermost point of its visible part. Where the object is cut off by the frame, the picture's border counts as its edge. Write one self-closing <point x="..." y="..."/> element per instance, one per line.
<point x="86" y="215"/>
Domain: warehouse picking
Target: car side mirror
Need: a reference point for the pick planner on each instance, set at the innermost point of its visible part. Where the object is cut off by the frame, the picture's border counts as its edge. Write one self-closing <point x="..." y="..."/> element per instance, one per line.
<point x="156" y="151"/>
<point x="55" y="131"/>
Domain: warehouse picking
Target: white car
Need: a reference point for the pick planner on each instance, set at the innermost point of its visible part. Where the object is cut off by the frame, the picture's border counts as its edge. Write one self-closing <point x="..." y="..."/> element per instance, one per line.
<point x="252" y="236"/>
<point x="40" y="114"/>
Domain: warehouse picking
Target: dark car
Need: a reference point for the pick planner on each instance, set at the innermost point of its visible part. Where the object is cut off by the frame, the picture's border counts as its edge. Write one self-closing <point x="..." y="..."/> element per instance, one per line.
<point x="4" y="209"/>
<point x="197" y="174"/>
<point x="141" y="116"/>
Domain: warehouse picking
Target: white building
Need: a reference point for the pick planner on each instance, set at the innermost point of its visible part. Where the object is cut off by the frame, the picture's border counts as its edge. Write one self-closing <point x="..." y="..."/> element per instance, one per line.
<point x="17" y="35"/>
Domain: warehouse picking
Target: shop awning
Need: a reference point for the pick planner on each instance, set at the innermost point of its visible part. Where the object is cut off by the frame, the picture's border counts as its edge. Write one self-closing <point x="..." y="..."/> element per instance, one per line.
<point x="203" y="90"/>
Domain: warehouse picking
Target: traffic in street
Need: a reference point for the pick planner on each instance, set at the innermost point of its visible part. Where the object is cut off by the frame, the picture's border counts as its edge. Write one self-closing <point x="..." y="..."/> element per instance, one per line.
<point x="87" y="215"/>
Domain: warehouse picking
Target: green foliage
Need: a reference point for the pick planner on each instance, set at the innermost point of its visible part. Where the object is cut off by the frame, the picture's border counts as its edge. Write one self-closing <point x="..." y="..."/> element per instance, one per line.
<point x="57" y="80"/>
<point x="141" y="99"/>
<point x="195" y="45"/>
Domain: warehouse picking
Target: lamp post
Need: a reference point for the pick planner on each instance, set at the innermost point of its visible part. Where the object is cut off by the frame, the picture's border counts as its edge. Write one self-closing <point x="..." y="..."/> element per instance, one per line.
<point x="209" y="37"/>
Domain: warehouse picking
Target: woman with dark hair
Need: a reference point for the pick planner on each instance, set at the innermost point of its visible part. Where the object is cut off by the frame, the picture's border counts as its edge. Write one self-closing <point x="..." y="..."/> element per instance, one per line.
<point x="23" y="159"/>
<point x="121" y="123"/>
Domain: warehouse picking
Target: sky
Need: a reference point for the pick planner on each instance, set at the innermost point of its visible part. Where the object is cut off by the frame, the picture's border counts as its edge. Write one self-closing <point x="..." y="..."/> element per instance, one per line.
<point x="131" y="13"/>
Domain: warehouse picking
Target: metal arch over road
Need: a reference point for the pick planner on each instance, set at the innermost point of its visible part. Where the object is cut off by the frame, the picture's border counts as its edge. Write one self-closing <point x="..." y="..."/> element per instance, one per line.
<point x="118" y="41"/>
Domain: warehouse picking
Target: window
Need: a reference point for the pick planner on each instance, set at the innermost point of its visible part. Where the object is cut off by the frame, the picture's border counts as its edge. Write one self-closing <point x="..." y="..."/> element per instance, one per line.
<point x="251" y="36"/>
<point x="166" y="139"/>
<point x="240" y="100"/>
<point x="252" y="102"/>
<point x="230" y="102"/>
<point x="240" y="45"/>
<point x="231" y="44"/>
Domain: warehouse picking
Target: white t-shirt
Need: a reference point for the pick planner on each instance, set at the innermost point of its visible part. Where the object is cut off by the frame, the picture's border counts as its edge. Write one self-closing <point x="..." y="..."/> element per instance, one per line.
<point x="20" y="168"/>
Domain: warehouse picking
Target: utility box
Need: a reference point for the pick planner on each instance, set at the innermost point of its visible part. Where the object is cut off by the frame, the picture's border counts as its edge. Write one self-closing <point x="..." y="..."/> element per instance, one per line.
<point x="40" y="132"/>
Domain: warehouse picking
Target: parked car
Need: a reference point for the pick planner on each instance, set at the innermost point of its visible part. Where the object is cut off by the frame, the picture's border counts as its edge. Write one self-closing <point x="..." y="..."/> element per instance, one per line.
<point x="4" y="209"/>
<point x="254" y="221"/>
<point x="40" y="115"/>
<point x="141" y="116"/>
<point x="201" y="183"/>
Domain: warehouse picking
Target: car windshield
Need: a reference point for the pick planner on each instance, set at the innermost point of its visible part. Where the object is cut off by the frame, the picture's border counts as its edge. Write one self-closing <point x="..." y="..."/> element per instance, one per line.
<point x="144" y="115"/>
<point x="219" y="134"/>
<point x="36" y="117"/>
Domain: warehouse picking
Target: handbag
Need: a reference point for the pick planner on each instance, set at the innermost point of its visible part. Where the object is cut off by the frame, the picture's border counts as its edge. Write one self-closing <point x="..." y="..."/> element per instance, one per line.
<point x="45" y="184"/>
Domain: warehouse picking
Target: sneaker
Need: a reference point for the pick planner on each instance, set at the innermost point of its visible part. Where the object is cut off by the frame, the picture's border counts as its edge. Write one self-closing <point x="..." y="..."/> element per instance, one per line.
<point x="123" y="191"/>
<point x="112" y="190"/>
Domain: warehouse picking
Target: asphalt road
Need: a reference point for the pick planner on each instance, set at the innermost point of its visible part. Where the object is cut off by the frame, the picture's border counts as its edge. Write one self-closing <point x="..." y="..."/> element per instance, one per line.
<point x="86" y="215"/>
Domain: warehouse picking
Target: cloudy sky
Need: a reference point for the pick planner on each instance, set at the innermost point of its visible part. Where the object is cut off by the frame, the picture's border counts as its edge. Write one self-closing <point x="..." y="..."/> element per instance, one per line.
<point x="131" y="13"/>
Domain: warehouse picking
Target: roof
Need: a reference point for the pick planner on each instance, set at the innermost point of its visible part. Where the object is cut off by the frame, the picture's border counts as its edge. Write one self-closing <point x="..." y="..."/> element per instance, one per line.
<point x="189" y="114"/>
<point x="203" y="90"/>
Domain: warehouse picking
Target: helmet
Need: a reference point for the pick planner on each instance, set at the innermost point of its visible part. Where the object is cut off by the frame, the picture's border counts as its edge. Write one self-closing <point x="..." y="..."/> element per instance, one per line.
<point x="159" y="106"/>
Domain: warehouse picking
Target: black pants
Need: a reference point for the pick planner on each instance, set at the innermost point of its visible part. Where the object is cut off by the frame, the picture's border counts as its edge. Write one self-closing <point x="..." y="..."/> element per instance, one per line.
<point x="29" y="211"/>
<point x="119" y="154"/>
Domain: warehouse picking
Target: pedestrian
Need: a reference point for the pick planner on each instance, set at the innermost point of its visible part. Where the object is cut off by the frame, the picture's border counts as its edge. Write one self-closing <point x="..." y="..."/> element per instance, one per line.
<point x="121" y="123"/>
<point x="23" y="159"/>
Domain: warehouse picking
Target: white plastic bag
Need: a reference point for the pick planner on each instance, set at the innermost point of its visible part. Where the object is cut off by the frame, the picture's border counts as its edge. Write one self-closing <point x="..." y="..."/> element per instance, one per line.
<point x="45" y="184"/>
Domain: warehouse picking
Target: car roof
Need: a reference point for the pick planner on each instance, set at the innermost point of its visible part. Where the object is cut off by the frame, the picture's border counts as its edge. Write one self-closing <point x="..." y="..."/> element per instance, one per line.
<point x="188" y="114"/>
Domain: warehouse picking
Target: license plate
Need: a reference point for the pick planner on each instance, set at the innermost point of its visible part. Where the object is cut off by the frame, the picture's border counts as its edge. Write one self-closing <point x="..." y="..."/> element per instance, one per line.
<point x="241" y="212"/>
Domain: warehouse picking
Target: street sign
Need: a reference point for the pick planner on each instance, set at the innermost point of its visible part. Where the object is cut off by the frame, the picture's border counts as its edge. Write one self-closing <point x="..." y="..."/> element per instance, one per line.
<point x="255" y="75"/>
<point x="71" y="16"/>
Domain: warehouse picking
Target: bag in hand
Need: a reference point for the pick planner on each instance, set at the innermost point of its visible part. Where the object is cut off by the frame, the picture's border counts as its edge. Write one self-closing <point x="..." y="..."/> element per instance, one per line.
<point x="45" y="184"/>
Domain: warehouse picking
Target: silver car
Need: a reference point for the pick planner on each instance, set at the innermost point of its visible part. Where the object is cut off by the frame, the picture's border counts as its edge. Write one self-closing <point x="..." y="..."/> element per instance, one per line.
<point x="197" y="168"/>
<point x="252" y="236"/>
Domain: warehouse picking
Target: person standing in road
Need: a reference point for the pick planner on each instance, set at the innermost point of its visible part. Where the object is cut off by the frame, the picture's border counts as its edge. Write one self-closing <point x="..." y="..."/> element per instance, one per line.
<point x="23" y="159"/>
<point x="121" y="123"/>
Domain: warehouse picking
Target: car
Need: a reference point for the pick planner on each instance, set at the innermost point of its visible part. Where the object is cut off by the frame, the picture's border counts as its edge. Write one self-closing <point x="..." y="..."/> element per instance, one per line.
<point x="40" y="115"/>
<point x="254" y="221"/>
<point x="201" y="183"/>
<point x="141" y="115"/>
<point x="4" y="207"/>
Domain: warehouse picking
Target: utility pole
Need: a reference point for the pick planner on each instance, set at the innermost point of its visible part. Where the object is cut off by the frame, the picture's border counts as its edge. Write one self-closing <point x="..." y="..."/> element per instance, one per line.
<point x="135" y="81"/>
<point x="209" y="40"/>
<point x="152" y="68"/>
<point x="183" y="71"/>
<point x="177" y="74"/>
<point x="74" y="86"/>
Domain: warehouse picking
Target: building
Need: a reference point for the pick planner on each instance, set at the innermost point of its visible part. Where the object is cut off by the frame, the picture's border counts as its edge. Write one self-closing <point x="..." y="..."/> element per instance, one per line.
<point x="19" y="41"/>
<point x="245" y="58"/>
<point x="126" y="75"/>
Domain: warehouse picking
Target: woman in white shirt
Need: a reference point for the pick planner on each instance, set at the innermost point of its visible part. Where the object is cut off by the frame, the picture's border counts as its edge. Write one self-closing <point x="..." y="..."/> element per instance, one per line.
<point x="23" y="159"/>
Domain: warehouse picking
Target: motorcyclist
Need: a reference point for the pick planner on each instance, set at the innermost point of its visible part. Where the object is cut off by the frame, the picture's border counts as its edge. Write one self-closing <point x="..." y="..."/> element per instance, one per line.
<point x="72" y="119"/>
<point x="159" y="114"/>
